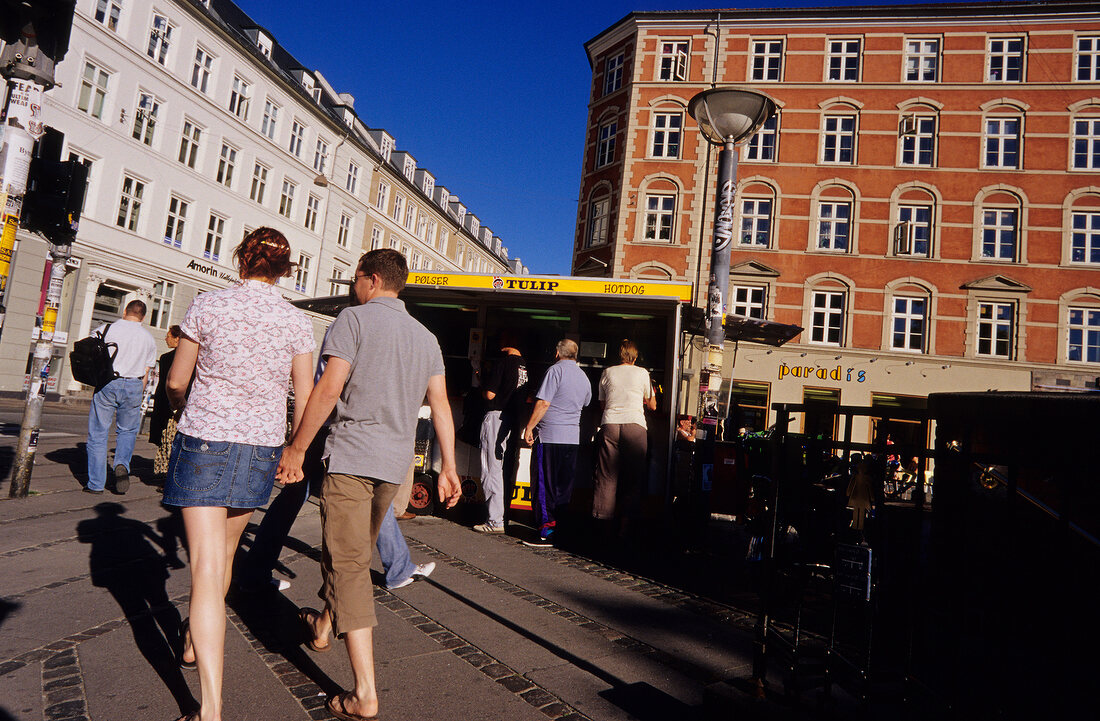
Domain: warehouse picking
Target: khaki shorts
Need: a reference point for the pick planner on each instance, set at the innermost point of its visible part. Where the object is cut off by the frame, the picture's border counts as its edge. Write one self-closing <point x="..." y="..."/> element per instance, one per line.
<point x="352" y="509"/>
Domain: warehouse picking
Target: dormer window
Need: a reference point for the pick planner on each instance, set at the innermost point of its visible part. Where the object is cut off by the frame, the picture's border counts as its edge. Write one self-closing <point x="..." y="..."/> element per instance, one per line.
<point x="264" y="43"/>
<point x="409" y="169"/>
<point x="429" y="185"/>
<point x="386" y="147"/>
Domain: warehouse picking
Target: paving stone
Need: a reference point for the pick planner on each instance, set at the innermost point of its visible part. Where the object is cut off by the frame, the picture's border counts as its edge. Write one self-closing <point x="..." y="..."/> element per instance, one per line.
<point x="496" y="670"/>
<point x="515" y="683"/>
<point x="538" y="697"/>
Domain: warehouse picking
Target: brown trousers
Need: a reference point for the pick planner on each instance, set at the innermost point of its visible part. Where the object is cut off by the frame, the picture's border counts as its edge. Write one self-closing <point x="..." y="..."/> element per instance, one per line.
<point x="352" y="509"/>
<point x="620" y="470"/>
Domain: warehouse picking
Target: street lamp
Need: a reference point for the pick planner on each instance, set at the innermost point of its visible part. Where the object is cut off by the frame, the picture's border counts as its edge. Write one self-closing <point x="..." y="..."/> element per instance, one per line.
<point x="726" y="116"/>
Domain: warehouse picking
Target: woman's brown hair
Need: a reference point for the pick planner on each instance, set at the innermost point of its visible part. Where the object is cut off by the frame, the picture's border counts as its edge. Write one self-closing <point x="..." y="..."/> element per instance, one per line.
<point x="264" y="253"/>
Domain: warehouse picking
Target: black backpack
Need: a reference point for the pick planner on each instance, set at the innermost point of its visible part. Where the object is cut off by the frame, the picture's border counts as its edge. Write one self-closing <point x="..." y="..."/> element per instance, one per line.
<point x="92" y="360"/>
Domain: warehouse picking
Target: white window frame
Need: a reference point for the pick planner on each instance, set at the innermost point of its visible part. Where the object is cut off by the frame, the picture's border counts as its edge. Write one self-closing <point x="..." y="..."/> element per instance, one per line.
<point x="998" y="65"/>
<point x="1085" y="237"/>
<point x="215" y="233"/>
<point x="398" y="213"/>
<point x="908" y="323"/>
<point x="756" y="222"/>
<point x="382" y="196"/>
<point x="129" y="203"/>
<point x="1000" y="234"/>
<point x="95" y="83"/>
<point x="605" y="143"/>
<point x="347" y="226"/>
<point x="911" y="233"/>
<point x="320" y="156"/>
<point x="827" y="320"/>
<point x="377" y="237"/>
<point x="1086" y="143"/>
<point x="843" y="60"/>
<point x="259" y="182"/>
<point x="339" y="272"/>
<point x="672" y="61"/>
<point x="660" y="217"/>
<point x="240" y="97"/>
<point x="667" y="135"/>
<point x="599" y="215"/>
<point x="270" y="123"/>
<point x="145" y="117"/>
<point x="829" y="222"/>
<point x="352" y="182"/>
<point x="833" y="134"/>
<point x="107" y="13"/>
<point x="758" y="148"/>
<point x="313" y="211"/>
<point x="297" y="135"/>
<point x="301" y="273"/>
<point x="1087" y="58"/>
<point x="995" y="139"/>
<point x="1086" y="326"/>
<point x="202" y="68"/>
<point x="160" y="38"/>
<point x="160" y="304"/>
<point x="190" y="138"/>
<point x="286" y="198"/>
<point x="749" y="301"/>
<point x="175" y="225"/>
<point x="918" y="141"/>
<point x="987" y="326"/>
<point x="227" y="163"/>
<point x="410" y="216"/>
<point x="766" y="60"/>
<point x="922" y="60"/>
<point x="613" y="73"/>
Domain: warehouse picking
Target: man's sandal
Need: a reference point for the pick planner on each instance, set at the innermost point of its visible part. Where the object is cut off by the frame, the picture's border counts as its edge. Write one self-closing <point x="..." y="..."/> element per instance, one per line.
<point x="307" y="615"/>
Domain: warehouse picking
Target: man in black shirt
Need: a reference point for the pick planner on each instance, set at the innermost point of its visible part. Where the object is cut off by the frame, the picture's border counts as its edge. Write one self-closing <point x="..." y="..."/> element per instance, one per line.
<point x="502" y="393"/>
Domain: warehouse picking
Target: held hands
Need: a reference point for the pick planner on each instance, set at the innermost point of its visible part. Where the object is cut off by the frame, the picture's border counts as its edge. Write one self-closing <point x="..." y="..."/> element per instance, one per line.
<point x="290" y="466"/>
<point x="450" y="488"/>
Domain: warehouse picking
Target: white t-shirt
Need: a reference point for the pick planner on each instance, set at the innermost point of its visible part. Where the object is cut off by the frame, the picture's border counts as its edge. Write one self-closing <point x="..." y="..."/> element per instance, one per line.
<point x="624" y="389"/>
<point x="137" y="351"/>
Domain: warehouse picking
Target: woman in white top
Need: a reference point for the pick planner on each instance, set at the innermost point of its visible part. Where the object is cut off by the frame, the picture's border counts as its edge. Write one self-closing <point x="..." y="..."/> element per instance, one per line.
<point x="625" y="392"/>
<point x="243" y="344"/>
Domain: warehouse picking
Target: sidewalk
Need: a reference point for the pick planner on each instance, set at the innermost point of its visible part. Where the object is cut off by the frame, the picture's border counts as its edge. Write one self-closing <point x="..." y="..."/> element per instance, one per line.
<point x="94" y="588"/>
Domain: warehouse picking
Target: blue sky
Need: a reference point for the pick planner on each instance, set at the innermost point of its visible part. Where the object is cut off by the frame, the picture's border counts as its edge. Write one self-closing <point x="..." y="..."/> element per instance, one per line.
<point x="491" y="97"/>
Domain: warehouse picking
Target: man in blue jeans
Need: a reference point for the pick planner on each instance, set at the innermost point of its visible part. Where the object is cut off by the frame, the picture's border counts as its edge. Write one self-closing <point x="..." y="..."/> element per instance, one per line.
<point x="119" y="401"/>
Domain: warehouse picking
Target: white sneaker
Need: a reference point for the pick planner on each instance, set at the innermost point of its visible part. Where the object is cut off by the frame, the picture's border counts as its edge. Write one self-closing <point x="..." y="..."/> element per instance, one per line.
<point x="488" y="528"/>
<point x="280" y="584"/>
<point x="423" y="570"/>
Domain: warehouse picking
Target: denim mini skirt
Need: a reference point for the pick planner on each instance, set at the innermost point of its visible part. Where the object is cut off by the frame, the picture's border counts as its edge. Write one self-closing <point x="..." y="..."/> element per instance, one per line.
<point x="219" y="473"/>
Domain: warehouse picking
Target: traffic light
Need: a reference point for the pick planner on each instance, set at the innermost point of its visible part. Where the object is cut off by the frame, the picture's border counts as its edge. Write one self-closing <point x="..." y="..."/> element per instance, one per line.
<point x="55" y="191"/>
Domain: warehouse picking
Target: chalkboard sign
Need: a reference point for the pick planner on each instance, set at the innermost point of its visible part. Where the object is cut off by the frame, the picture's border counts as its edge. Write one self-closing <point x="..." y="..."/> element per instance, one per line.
<point x="853" y="571"/>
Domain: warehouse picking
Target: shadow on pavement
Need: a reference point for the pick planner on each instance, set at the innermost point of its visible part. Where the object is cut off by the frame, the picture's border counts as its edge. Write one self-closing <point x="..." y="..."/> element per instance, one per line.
<point x="75" y="458"/>
<point x="124" y="560"/>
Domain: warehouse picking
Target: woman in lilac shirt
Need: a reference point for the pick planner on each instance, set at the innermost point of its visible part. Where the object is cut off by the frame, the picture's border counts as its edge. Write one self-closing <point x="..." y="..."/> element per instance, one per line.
<point x="243" y="343"/>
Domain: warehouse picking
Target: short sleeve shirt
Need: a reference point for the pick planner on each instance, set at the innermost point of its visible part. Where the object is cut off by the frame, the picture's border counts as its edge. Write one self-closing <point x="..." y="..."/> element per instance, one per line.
<point x="248" y="336"/>
<point x="567" y="389"/>
<point x="623" y="389"/>
<point x="392" y="357"/>
<point x="137" y="351"/>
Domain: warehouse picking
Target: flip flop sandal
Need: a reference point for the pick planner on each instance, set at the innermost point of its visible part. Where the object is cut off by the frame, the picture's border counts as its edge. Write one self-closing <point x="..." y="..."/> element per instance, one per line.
<point x="341" y="712"/>
<point x="305" y="615"/>
<point x="185" y="633"/>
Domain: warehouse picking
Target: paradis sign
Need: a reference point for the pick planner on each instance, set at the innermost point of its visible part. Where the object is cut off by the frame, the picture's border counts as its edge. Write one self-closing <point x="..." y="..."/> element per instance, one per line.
<point x="848" y="375"/>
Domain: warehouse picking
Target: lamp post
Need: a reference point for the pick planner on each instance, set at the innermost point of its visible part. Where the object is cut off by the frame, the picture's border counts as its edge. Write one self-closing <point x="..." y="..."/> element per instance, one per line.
<point x="726" y="116"/>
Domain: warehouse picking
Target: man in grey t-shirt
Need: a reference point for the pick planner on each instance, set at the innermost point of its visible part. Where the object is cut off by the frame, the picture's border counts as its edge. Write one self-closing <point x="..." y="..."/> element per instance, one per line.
<point x="381" y="363"/>
<point x="564" y="391"/>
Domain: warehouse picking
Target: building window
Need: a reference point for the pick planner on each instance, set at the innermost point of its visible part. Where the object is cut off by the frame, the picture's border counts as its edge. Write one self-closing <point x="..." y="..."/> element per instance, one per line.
<point x="398" y="207"/>
<point x="1085" y="244"/>
<point x="344" y="232"/>
<point x="762" y="145"/>
<point x="215" y="230"/>
<point x="238" y="98"/>
<point x="416" y="260"/>
<point x="995" y="326"/>
<point x="444" y="237"/>
<point x="767" y="61"/>
<point x="107" y="12"/>
<point x="226" y="162"/>
<point x="756" y="222"/>
<point x="301" y="273"/>
<point x="160" y="39"/>
<point x="177" y="220"/>
<point x="1086" y="144"/>
<point x="145" y="118"/>
<point x="259" y="183"/>
<point x="93" y="90"/>
<point x="320" y="155"/>
<point x="827" y="318"/>
<point x="918" y="140"/>
<point x="922" y="59"/>
<point x="838" y="139"/>
<point x="842" y="60"/>
<point x="1084" y="335"/>
<point x="352" y="183"/>
<point x="658" y="217"/>
<point x="286" y="199"/>
<point x="1002" y="143"/>
<point x="613" y="74"/>
<point x="747" y="300"/>
<point x="408" y="169"/>
<point x="87" y="163"/>
<point x="673" y="62"/>
<point x="339" y="272"/>
<point x="1006" y="60"/>
<point x="913" y="233"/>
<point x="422" y="227"/>
<point x="605" y="146"/>
<point x="129" y="204"/>
<point x="375" y="238"/>
<point x="666" y="134"/>
<point x="460" y="256"/>
<point x="200" y="69"/>
<point x="833" y="226"/>
<point x="160" y="306"/>
<point x="189" y="143"/>
<point x="382" y="196"/>
<point x="385" y="148"/>
<point x="907" y="323"/>
<point x="598" y="217"/>
<point x="429" y="185"/>
<point x="999" y="234"/>
<point x="297" y="133"/>
<point x="270" y="120"/>
<point x="405" y="250"/>
<point x="1088" y="58"/>
<point x="313" y="209"/>
<point x="430" y="233"/>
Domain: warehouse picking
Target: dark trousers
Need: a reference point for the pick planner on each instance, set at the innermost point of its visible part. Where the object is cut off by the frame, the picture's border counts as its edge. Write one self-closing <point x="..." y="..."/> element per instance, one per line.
<point x="555" y="466"/>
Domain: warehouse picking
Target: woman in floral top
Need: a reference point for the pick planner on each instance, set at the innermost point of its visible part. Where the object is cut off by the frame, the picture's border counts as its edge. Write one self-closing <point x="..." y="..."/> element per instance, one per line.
<point x="242" y="343"/>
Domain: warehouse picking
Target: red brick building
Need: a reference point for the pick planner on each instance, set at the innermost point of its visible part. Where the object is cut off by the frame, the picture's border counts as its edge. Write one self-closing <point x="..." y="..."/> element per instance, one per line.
<point x="925" y="204"/>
